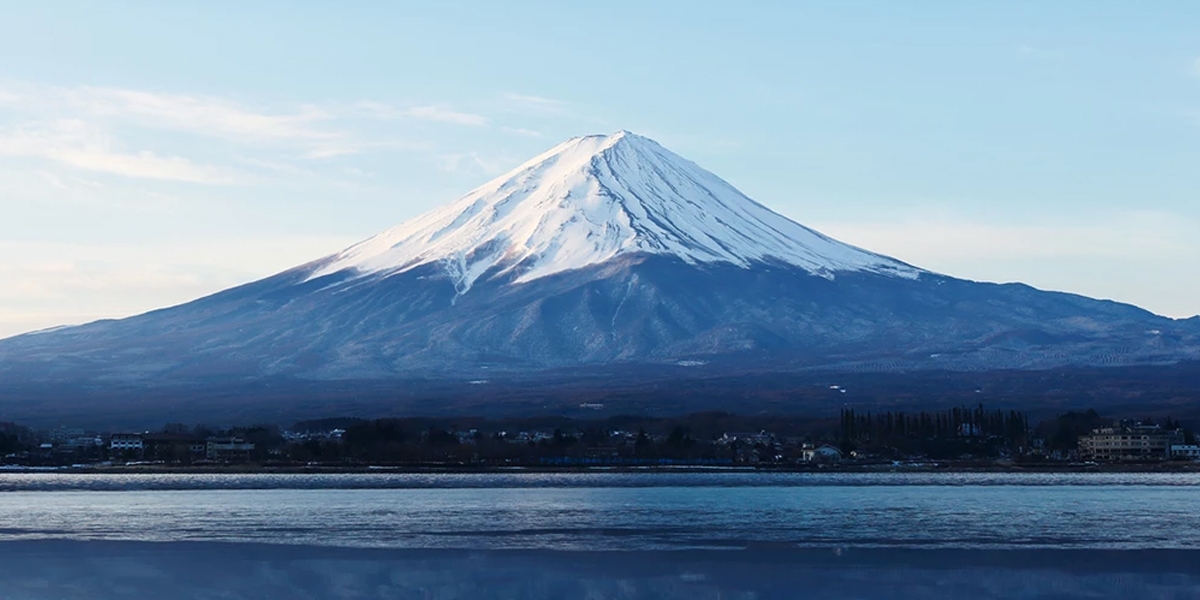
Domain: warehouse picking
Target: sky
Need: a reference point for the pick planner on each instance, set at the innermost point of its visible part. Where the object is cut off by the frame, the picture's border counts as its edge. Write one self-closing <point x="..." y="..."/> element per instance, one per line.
<point x="153" y="152"/>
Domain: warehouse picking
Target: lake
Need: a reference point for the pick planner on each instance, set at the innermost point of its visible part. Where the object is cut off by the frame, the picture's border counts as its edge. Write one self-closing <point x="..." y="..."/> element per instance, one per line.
<point x="657" y="535"/>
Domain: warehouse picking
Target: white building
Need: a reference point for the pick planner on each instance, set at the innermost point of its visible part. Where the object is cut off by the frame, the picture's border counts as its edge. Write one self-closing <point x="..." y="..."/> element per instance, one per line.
<point x="228" y="449"/>
<point x="1186" y="451"/>
<point x="124" y="442"/>
<point x="1130" y="442"/>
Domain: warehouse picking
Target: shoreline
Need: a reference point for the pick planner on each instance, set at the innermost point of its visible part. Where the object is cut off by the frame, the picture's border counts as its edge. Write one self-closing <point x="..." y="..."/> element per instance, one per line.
<point x="437" y="469"/>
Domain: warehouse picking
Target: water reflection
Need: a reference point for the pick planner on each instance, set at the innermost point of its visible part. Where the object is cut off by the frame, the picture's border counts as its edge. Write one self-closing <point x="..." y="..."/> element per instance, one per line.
<point x="43" y="570"/>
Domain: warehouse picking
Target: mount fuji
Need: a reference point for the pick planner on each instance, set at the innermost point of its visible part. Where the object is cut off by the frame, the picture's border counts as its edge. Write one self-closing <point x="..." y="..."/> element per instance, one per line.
<point x="591" y="200"/>
<point x="605" y="251"/>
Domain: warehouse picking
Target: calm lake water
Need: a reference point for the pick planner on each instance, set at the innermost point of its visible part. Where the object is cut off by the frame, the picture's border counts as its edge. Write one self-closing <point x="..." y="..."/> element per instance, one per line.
<point x="616" y="511"/>
<point x="601" y="535"/>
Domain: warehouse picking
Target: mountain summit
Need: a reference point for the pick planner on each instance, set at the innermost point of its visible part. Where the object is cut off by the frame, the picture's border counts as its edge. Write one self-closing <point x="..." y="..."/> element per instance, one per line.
<point x="606" y="252"/>
<point x="592" y="199"/>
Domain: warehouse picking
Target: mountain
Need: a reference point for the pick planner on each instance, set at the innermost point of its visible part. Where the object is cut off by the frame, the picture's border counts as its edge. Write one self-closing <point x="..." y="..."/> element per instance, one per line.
<point x="605" y="251"/>
<point x="589" y="201"/>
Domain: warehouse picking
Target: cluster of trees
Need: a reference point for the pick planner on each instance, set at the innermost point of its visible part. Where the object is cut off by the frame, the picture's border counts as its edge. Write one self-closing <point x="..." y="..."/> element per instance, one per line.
<point x="413" y="440"/>
<point x="14" y="438"/>
<point x="953" y="433"/>
<point x="703" y="437"/>
<point x="417" y="441"/>
<point x="1062" y="433"/>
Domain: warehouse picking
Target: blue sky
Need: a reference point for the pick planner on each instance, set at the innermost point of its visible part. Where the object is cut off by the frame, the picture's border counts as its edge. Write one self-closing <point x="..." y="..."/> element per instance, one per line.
<point x="151" y="153"/>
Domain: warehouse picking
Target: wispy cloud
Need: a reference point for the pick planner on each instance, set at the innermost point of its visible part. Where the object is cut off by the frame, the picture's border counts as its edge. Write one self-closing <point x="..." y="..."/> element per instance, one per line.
<point x="41" y="282"/>
<point x="1030" y="50"/>
<point x="935" y="237"/>
<point x="84" y="151"/>
<point x="433" y="112"/>
<point x="75" y="144"/>
<point x="128" y="132"/>
<point x="351" y="147"/>
<point x="536" y="104"/>
<point x="204" y="115"/>
<point x="445" y="115"/>
<point x="52" y="179"/>
<point x="521" y="131"/>
<point x="472" y="162"/>
<point x="1067" y="253"/>
<point x="100" y="129"/>
<point x="170" y="136"/>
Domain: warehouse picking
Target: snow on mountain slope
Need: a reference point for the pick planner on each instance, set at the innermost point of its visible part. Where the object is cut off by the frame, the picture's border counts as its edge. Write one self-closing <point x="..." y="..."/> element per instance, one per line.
<point x="591" y="199"/>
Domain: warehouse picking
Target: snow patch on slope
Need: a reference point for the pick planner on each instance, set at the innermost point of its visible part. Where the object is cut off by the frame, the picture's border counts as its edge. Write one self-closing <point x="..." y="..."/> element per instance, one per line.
<point x="591" y="199"/>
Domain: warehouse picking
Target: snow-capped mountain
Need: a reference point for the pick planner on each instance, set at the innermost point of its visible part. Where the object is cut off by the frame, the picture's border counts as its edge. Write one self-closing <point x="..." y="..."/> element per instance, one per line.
<point x="603" y="251"/>
<point x="590" y="200"/>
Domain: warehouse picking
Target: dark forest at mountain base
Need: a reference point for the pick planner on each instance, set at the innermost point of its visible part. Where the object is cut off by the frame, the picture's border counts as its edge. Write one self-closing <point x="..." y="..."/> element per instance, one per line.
<point x="959" y="437"/>
<point x="650" y="390"/>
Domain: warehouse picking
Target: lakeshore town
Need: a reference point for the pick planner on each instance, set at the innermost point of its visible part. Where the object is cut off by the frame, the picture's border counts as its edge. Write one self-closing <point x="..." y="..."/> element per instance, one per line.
<point x="959" y="436"/>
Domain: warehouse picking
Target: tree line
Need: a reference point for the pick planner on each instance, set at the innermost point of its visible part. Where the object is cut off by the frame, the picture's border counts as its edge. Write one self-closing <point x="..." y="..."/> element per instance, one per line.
<point x="951" y="433"/>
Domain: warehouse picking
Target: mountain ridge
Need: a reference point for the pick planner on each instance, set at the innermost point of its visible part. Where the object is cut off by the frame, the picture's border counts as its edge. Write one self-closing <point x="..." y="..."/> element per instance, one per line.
<point x="590" y="200"/>
<point x="495" y="285"/>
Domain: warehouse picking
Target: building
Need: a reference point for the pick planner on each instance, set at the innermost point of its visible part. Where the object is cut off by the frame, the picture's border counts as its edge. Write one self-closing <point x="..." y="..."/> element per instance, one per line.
<point x="1129" y="442"/>
<point x="64" y="434"/>
<point x="228" y="449"/>
<point x="1185" y="451"/>
<point x="173" y="447"/>
<point x="126" y="442"/>
<point x="83" y="442"/>
<point x="820" y="454"/>
<point x="747" y="437"/>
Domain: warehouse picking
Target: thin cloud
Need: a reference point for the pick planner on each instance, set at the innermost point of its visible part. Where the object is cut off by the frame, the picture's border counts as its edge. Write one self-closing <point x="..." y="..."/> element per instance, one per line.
<point x="350" y="147"/>
<point x="1030" y="50"/>
<point x="204" y="115"/>
<point x="520" y="131"/>
<point x="444" y="115"/>
<point x="144" y="165"/>
<point x="41" y="282"/>
<point x="536" y="104"/>
<point x="433" y="112"/>
<point x="75" y="144"/>
<point x="931" y="239"/>
<point x="53" y="180"/>
<point x="103" y="129"/>
<point x="94" y="127"/>
<point x="1068" y="254"/>
<point x="471" y="162"/>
